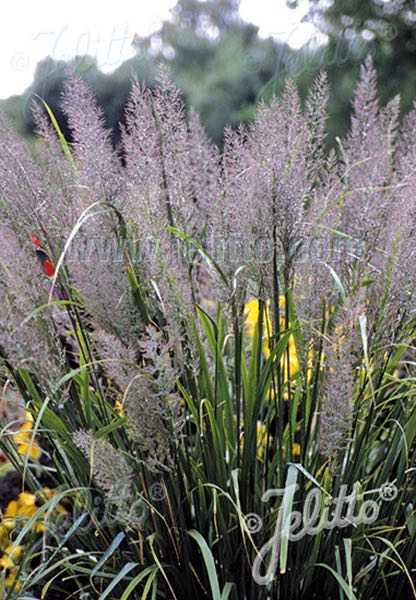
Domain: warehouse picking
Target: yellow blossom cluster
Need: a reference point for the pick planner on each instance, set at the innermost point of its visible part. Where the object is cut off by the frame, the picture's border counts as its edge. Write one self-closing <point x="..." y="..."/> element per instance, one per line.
<point x="17" y="514"/>
<point x="252" y="314"/>
<point x="263" y="440"/>
<point x="26" y="444"/>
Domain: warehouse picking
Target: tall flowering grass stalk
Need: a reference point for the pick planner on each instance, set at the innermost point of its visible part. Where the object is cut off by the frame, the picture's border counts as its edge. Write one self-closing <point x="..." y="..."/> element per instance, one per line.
<point x="188" y="330"/>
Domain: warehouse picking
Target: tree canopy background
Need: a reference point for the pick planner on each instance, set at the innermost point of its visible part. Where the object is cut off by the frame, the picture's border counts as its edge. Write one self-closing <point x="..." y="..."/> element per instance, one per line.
<point x="224" y="67"/>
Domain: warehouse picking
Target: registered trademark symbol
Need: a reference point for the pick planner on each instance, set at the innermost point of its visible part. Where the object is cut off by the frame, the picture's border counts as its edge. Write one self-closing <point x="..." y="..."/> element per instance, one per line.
<point x="253" y="522"/>
<point x="388" y="492"/>
<point x="157" y="492"/>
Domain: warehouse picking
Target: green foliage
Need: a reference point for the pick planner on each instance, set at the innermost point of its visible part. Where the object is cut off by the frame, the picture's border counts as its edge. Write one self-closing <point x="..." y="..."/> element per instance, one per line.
<point x="354" y="29"/>
<point x="219" y="62"/>
<point x="203" y="504"/>
<point x="223" y="67"/>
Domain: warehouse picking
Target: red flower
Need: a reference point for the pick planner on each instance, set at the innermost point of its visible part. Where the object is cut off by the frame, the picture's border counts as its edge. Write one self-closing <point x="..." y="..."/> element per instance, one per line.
<point x="47" y="265"/>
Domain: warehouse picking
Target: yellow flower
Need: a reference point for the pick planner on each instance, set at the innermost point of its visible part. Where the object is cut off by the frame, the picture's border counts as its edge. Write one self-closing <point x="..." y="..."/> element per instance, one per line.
<point x="296" y="450"/>
<point x="26" y="499"/>
<point x="252" y="314"/>
<point x="4" y="537"/>
<point x="261" y="439"/>
<point x="119" y="407"/>
<point x="7" y="561"/>
<point x="9" y="521"/>
<point x="26" y="445"/>
<point x="310" y="365"/>
<point x="47" y="495"/>
<point x="19" y="510"/>
<point x="11" y="582"/>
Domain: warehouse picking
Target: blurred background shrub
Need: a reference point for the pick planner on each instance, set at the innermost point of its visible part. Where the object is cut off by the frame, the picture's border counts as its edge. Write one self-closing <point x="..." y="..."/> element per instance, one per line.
<point x="223" y="67"/>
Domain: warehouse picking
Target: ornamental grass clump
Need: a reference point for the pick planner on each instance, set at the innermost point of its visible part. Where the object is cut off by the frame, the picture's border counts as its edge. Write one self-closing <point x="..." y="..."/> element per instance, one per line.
<point x="204" y="341"/>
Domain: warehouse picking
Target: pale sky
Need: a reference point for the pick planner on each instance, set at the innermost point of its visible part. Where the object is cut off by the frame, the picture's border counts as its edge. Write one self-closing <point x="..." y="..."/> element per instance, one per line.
<point x="30" y="31"/>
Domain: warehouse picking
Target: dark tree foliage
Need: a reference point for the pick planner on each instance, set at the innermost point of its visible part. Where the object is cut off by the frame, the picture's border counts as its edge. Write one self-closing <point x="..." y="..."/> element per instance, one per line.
<point x="219" y="62"/>
<point x="384" y="28"/>
<point x="223" y="67"/>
